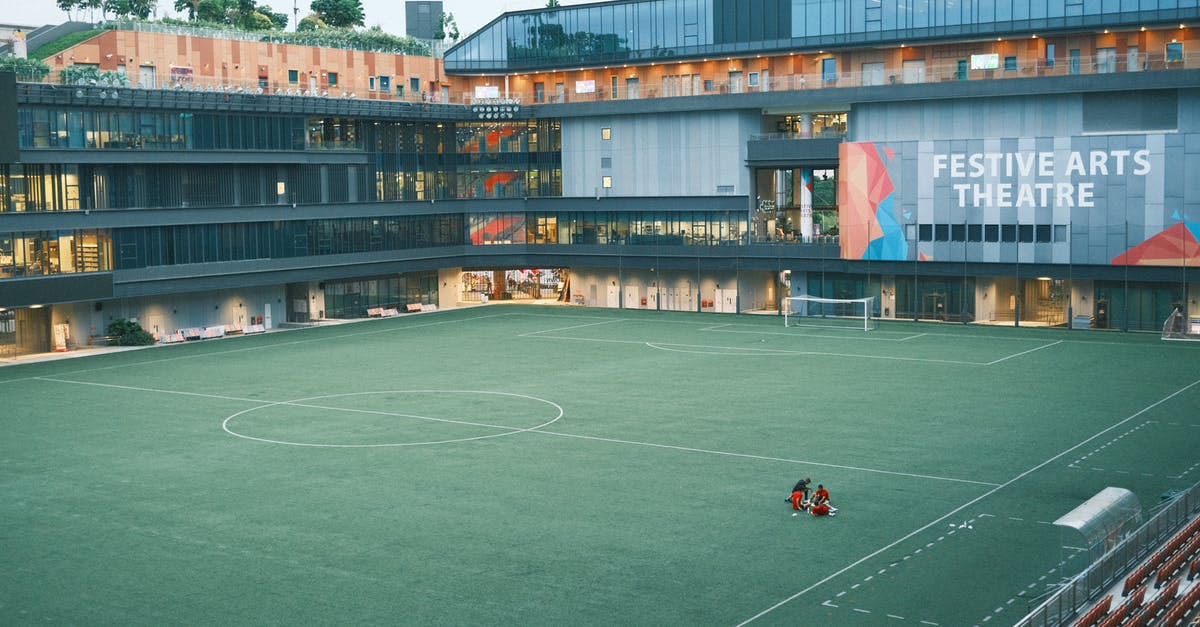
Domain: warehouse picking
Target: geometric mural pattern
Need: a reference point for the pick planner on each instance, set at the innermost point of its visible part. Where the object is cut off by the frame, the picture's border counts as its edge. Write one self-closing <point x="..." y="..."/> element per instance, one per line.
<point x="1178" y="245"/>
<point x="867" y="224"/>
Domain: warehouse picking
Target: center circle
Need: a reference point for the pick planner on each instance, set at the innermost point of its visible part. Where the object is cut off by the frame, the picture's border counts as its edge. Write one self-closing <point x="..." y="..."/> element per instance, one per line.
<point x="479" y="419"/>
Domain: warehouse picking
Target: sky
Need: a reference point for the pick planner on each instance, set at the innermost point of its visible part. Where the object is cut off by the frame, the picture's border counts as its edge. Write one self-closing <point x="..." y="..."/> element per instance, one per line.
<point x="471" y="15"/>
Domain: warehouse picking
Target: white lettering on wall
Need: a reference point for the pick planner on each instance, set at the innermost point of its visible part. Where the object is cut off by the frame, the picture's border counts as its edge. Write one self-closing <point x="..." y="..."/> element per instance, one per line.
<point x="1000" y="165"/>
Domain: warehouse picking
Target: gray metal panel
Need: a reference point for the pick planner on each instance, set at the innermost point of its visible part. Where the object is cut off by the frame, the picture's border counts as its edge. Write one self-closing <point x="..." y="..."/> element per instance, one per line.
<point x="793" y="152"/>
<point x="59" y="288"/>
<point x="8" y="118"/>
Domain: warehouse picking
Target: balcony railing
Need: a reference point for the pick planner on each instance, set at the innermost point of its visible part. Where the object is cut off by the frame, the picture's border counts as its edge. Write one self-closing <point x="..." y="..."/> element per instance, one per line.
<point x="887" y="77"/>
<point x="161" y="78"/>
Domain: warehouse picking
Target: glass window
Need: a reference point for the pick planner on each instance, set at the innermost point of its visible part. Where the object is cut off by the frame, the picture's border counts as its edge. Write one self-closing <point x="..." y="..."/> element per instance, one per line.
<point x="606" y="182"/>
<point x="1008" y="233"/>
<point x="991" y="232"/>
<point x="941" y="233"/>
<point x="829" y="70"/>
<point x="333" y="78"/>
<point x="925" y="232"/>
<point x="1049" y="55"/>
<point x="1025" y="232"/>
<point x="293" y="77"/>
<point x="1175" y="52"/>
<point x="606" y="133"/>
<point x="1010" y="63"/>
<point x="974" y="232"/>
<point x="1043" y="233"/>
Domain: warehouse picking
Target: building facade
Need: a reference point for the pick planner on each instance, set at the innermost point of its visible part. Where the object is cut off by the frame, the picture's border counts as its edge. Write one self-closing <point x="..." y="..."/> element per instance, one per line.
<point x="1004" y="162"/>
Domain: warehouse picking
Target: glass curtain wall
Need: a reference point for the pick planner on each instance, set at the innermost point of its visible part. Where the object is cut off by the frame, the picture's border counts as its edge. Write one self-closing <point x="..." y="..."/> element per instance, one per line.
<point x="665" y="29"/>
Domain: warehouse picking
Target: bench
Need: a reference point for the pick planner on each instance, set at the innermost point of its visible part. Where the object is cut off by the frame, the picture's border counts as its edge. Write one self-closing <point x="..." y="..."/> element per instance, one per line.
<point x="254" y="328"/>
<point x="412" y="307"/>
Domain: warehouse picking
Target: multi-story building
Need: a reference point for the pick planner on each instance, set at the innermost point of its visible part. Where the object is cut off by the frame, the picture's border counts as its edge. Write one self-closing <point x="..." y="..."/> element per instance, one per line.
<point x="1003" y="161"/>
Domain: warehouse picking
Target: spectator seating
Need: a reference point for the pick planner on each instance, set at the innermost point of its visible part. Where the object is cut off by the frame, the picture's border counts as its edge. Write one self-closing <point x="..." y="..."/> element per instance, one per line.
<point x="1093" y="616"/>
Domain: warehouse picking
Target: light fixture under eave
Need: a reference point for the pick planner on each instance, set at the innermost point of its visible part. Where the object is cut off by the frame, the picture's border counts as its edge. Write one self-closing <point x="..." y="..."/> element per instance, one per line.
<point x="36" y="306"/>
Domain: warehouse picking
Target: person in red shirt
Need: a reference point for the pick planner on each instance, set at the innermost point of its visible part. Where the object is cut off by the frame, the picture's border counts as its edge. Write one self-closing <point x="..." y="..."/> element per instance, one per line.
<point x="820" y="503"/>
<point x="799" y="495"/>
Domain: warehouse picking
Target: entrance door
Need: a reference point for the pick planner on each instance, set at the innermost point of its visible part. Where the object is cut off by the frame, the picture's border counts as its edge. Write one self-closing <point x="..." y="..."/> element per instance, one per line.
<point x="613" y="298"/>
<point x="146" y="77"/>
<point x="632" y="293"/>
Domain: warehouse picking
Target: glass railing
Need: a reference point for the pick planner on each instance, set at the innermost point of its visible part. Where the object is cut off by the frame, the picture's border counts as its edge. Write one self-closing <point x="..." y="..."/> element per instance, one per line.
<point x="884" y="77"/>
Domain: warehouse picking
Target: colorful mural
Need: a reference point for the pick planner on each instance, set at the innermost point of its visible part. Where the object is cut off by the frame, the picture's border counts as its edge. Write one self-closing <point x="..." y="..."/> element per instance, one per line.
<point x="1177" y="245"/>
<point x="867" y="221"/>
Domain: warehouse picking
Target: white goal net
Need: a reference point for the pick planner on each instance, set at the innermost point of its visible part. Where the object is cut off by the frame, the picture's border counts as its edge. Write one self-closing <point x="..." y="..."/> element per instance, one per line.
<point x="855" y="313"/>
<point x="1179" y="327"/>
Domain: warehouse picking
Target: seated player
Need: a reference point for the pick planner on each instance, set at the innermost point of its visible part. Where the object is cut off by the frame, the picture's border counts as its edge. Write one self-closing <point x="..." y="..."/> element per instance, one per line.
<point x="821" y="509"/>
<point x="821" y="498"/>
<point x="799" y="497"/>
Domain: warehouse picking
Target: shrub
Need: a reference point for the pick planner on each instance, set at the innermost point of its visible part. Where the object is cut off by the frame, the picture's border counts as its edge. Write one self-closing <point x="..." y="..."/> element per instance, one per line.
<point x="29" y="70"/>
<point x="129" y="333"/>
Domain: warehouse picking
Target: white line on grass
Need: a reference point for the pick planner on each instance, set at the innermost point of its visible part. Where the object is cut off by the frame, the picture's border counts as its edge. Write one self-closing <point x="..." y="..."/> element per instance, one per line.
<point x="992" y="363"/>
<point x="759" y="457"/>
<point x="967" y="504"/>
<point x="577" y="326"/>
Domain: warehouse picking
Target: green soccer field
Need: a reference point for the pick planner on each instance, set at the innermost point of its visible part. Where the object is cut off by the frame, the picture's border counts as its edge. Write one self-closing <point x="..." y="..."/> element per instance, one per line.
<point x="521" y="465"/>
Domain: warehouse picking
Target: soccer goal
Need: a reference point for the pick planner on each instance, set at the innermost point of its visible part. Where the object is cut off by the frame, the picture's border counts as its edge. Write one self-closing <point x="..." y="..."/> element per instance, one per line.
<point x="851" y="313"/>
<point x="1179" y="327"/>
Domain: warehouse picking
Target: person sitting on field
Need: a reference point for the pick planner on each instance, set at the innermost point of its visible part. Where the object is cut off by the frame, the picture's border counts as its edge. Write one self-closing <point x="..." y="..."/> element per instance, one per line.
<point x="821" y="499"/>
<point x="799" y="497"/>
<point x="821" y="509"/>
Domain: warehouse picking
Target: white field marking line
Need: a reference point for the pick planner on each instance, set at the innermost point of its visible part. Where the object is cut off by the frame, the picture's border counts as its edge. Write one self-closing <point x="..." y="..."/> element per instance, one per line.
<point x="716" y="326"/>
<point x="969" y="503"/>
<point x="260" y="404"/>
<point x="727" y="350"/>
<point x="759" y="457"/>
<point x="260" y="347"/>
<point x="861" y="336"/>
<point x="577" y="326"/>
<point x="996" y="338"/>
<point x="505" y="431"/>
<point x="1109" y="443"/>
<point x="992" y="363"/>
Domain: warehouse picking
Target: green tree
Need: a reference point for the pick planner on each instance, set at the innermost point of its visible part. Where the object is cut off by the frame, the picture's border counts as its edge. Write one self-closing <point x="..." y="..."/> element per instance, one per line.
<point x="311" y="23"/>
<point x="190" y="6"/>
<point x="550" y="4"/>
<point x="339" y="13"/>
<point x="446" y="28"/>
<point x="130" y="8"/>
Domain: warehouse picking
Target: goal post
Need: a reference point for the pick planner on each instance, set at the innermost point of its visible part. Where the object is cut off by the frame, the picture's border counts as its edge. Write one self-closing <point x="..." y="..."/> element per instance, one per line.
<point x="854" y="313"/>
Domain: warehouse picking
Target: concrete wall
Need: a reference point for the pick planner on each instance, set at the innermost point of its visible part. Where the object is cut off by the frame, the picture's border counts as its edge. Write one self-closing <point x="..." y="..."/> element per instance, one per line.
<point x="163" y="314"/>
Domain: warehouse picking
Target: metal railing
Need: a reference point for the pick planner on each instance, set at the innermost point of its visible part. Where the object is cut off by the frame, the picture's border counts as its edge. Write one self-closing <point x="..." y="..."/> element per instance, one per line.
<point x="1086" y="588"/>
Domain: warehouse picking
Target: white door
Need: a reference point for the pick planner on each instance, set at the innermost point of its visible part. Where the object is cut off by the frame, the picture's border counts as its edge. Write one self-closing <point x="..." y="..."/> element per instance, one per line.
<point x="146" y="77"/>
<point x="614" y="297"/>
<point x="632" y="294"/>
<point x="652" y="298"/>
